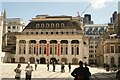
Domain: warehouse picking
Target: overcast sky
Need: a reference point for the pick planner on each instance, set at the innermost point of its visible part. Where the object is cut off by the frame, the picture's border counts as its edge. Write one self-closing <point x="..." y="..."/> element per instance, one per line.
<point x="101" y="10"/>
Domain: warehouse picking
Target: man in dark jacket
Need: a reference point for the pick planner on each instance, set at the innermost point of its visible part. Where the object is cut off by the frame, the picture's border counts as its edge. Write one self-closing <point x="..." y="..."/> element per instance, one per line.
<point x="80" y="73"/>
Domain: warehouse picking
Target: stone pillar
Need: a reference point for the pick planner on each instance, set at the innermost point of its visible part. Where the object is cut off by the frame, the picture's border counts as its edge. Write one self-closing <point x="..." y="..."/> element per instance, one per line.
<point x="27" y="51"/>
<point x="17" y="51"/>
<point x="80" y="50"/>
<point x="69" y="52"/>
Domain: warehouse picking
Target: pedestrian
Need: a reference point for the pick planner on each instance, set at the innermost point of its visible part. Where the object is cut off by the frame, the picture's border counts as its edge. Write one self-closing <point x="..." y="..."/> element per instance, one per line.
<point x="118" y="74"/>
<point x="35" y="65"/>
<point x="48" y="66"/>
<point x="69" y="66"/>
<point x="80" y="73"/>
<point x="53" y="66"/>
<point x="62" y="67"/>
<point x="28" y="70"/>
<point x="18" y="72"/>
<point x="88" y="72"/>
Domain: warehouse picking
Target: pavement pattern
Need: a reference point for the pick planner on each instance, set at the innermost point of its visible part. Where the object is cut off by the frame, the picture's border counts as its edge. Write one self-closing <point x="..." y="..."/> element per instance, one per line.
<point x="7" y="72"/>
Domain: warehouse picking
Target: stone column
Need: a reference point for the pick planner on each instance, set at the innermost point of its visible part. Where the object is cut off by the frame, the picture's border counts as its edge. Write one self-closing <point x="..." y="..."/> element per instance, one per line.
<point x="17" y="51"/>
<point x="69" y="52"/>
<point x="80" y="50"/>
<point x="27" y="51"/>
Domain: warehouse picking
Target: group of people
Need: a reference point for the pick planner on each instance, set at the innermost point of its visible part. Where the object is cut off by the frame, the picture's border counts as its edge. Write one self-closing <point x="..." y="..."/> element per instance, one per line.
<point x="80" y="73"/>
<point x="62" y="66"/>
<point x="28" y="70"/>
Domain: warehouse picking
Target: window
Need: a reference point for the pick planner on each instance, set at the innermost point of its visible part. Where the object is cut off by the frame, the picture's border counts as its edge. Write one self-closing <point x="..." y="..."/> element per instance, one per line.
<point x="90" y="46"/>
<point x="56" y="32"/>
<point x="36" y="32"/>
<point x="46" y="32"/>
<point x="77" y="51"/>
<point x="42" y="25"/>
<point x="44" y="50"/>
<point x="50" y="50"/>
<point x="61" y="50"/>
<point x="91" y="51"/>
<point x="72" y="51"/>
<point x="52" y="25"/>
<point x="47" y="25"/>
<point x="31" y="32"/>
<point x="27" y="33"/>
<point x="51" y="32"/>
<point x="37" y="25"/>
<point x="13" y="27"/>
<point x="8" y="27"/>
<point x="34" y="50"/>
<point x="112" y="49"/>
<point x="40" y="50"/>
<point x="66" y="50"/>
<point x="118" y="49"/>
<point x="41" y="32"/>
<point x="57" y="25"/>
<point x="24" y="50"/>
<point x="62" y="25"/>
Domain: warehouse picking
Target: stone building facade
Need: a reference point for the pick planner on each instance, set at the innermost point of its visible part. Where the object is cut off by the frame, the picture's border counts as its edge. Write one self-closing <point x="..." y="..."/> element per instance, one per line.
<point x="51" y="38"/>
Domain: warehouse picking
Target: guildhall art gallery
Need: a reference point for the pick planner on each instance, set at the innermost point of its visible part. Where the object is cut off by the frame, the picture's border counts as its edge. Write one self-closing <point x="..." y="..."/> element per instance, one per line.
<point x="51" y="38"/>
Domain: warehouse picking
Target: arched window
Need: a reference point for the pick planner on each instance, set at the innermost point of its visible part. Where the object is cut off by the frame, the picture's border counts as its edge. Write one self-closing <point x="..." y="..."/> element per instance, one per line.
<point x="47" y="25"/>
<point x="37" y="25"/>
<point x="57" y="25"/>
<point x="42" y="25"/>
<point x="62" y="24"/>
<point x="52" y="25"/>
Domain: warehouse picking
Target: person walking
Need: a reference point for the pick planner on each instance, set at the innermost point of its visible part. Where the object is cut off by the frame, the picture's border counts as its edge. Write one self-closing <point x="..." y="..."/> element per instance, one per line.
<point x="35" y="65"/>
<point x="80" y="73"/>
<point x="18" y="72"/>
<point x="48" y="66"/>
<point x="62" y="67"/>
<point x="69" y="66"/>
<point x="53" y="66"/>
<point x="28" y="70"/>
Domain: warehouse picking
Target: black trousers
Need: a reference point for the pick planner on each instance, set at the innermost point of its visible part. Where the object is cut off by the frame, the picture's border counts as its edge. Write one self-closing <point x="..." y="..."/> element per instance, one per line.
<point x="28" y="77"/>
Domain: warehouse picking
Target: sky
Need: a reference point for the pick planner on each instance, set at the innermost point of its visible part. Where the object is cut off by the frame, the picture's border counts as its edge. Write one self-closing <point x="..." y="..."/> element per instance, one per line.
<point x="100" y="10"/>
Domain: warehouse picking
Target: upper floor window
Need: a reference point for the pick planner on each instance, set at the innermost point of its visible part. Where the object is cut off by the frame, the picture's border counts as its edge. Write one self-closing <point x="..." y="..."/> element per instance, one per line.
<point x="118" y="49"/>
<point x="47" y="25"/>
<point x="13" y="27"/>
<point x="37" y="25"/>
<point x="52" y="25"/>
<point x="57" y="25"/>
<point x="62" y="24"/>
<point x="42" y="25"/>
<point x="112" y="49"/>
<point x="8" y="27"/>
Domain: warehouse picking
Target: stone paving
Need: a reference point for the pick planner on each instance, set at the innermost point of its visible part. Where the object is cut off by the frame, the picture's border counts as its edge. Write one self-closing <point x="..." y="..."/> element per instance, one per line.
<point x="7" y="71"/>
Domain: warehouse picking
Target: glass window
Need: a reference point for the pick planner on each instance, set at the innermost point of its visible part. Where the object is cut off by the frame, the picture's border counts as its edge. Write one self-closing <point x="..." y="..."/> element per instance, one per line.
<point x="52" y="25"/>
<point x="66" y="50"/>
<point x="118" y="49"/>
<point x="42" y="25"/>
<point x="47" y="25"/>
<point x="8" y="27"/>
<point x="112" y="49"/>
<point x="62" y="24"/>
<point x="72" y="51"/>
<point x="61" y="50"/>
<point x="77" y="51"/>
<point x="57" y="25"/>
<point x="13" y="27"/>
<point x="40" y="50"/>
<point x="36" y="32"/>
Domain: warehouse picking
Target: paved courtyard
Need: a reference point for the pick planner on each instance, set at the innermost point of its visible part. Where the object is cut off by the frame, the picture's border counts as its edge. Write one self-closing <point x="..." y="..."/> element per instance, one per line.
<point x="7" y="71"/>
